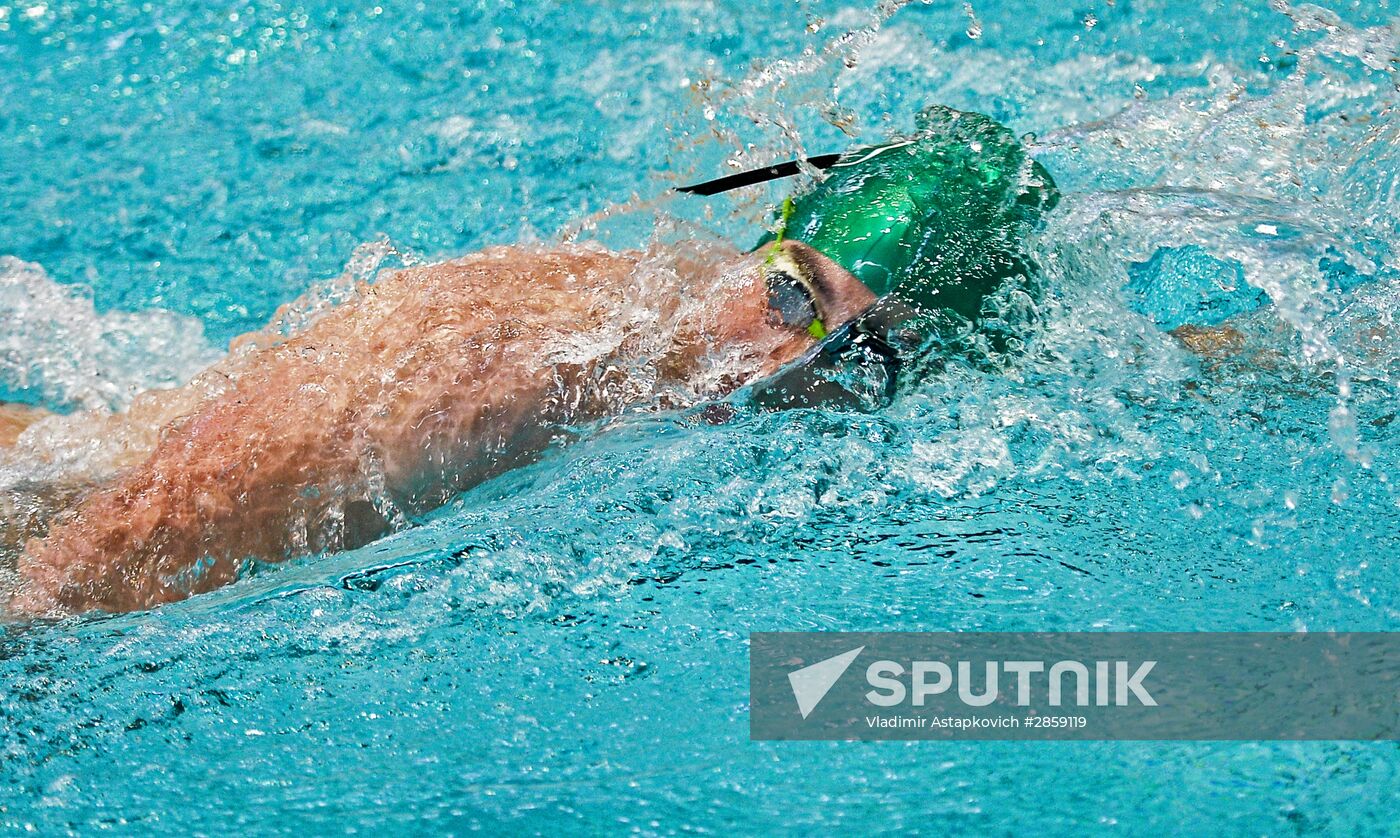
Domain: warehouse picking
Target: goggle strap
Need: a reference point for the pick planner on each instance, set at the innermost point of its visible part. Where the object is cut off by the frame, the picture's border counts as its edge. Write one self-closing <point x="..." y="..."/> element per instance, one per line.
<point x="753" y="176"/>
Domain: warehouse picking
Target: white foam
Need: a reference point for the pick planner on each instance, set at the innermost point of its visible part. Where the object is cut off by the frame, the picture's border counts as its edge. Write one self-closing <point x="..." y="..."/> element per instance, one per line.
<point x="56" y="346"/>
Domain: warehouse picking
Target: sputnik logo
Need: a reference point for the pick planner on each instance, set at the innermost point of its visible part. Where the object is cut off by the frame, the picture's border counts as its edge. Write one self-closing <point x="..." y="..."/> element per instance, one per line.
<point x="810" y="684"/>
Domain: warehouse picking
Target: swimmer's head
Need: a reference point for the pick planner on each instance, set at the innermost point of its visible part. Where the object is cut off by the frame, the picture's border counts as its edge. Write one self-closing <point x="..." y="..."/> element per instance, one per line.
<point x="935" y="220"/>
<point x="932" y="224"/>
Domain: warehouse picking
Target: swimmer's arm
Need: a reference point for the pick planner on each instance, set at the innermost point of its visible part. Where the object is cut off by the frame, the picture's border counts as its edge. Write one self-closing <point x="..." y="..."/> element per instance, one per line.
<point x="392" y="404"/>
<point x="214" y="487"/>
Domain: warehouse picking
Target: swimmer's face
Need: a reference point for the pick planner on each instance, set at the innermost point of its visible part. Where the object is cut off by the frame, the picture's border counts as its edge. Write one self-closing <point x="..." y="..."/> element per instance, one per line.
<point x="774" y="306"/>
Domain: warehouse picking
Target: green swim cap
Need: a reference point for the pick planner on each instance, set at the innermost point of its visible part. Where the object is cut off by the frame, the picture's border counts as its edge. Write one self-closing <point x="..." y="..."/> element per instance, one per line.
<point x="936" y="220"/>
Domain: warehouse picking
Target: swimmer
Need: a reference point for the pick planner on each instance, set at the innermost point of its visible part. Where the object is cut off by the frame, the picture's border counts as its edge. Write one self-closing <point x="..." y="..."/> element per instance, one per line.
<point x="436" y="378"/>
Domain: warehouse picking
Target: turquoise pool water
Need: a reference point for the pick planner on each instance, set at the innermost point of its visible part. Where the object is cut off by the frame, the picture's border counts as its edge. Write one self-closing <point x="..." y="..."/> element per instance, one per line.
<point x="564" y="649"/>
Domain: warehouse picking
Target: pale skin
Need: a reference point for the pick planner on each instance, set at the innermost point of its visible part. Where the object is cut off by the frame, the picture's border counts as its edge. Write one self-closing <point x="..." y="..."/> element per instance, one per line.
<point x="433" y="379"/>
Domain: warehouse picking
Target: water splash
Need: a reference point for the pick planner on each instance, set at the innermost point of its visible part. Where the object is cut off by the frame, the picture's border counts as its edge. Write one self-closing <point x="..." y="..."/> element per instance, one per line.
<point x="1111" y="480"/>
<point x="58" y="351"/>
<point x="756" y="117"/>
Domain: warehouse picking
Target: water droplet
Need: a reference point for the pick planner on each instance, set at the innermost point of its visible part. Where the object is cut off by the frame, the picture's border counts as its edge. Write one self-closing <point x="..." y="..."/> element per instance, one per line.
<point x="974" y="26"/>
